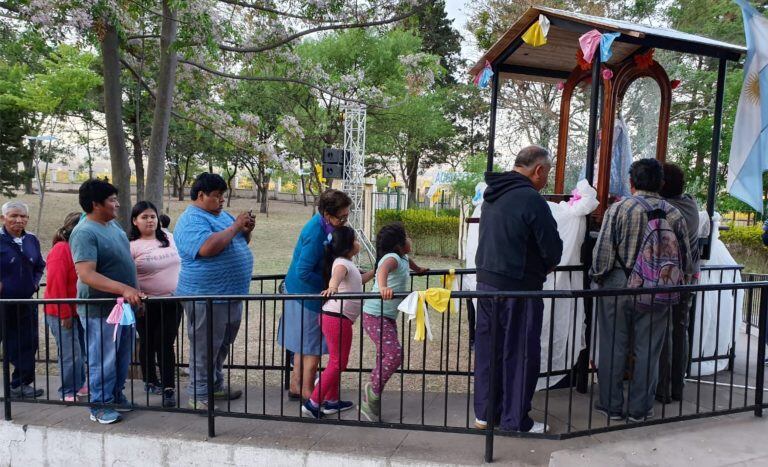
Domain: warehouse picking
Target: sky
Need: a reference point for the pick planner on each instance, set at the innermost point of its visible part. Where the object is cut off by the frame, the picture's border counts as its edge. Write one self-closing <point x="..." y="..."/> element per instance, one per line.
<point x="457" y="11"/>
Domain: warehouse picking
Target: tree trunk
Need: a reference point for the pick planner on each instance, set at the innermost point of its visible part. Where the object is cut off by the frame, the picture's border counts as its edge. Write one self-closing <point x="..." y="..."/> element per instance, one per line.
<point x="411" y="176"/>
<point x="29" y="169"/>
<point x="175" y="185"/>
<point x="138" y="163"/>
<point x="230" y="177"/>
<point x="264" y="189"/>
<point x="89" y="160"/>
<point x="303" y="182"/>
<point x="163" y="104"/>
<point x="113" y="116"/>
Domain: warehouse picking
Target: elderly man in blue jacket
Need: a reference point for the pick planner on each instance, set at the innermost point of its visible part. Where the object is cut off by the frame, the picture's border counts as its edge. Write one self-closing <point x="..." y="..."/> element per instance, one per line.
<point x="518" y="246"/>
<point x="21" y="267"/>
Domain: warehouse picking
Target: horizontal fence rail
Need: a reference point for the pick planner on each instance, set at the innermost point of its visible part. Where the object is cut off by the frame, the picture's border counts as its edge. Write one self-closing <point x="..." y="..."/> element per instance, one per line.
<point x="584" y="360"/>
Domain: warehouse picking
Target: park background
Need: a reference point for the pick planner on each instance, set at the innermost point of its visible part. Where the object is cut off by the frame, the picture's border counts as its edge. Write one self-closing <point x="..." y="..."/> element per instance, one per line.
<point x="151" y="93"/>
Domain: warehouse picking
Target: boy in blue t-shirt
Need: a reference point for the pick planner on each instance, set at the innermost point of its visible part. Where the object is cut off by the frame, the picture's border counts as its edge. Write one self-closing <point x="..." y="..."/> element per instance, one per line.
<point x="215" y="260"/>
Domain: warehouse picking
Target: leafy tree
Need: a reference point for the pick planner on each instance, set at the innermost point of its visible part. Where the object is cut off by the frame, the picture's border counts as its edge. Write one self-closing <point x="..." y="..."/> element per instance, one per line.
<point x="14" y="124"/>
<point x="438" y="37"/>
<point x="411" y="137"/>
<point x="215" y="36"/>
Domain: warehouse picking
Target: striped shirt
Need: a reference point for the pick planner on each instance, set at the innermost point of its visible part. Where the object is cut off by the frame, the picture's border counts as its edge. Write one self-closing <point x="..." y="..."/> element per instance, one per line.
<point x="228" y="273"/>
<point x="622" y="232"/>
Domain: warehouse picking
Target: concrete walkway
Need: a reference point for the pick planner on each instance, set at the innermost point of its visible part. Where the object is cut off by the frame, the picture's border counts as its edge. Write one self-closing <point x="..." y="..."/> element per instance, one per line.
<point x="43" y="434"/>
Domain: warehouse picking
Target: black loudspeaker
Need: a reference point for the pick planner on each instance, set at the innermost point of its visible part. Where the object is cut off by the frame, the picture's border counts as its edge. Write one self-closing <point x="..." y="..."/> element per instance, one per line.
<point x="333" y="171"/>
<point x="334" y="156"/>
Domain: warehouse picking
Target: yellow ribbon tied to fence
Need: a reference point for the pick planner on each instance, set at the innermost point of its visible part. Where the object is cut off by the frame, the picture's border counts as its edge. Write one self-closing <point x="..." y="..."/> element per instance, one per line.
<point x="438" y="298"/>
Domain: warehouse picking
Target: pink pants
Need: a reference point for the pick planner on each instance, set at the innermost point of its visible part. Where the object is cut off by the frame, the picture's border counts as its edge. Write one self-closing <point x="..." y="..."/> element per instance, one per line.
<point x="337" y="333"/>
<point x="389" y="353"/>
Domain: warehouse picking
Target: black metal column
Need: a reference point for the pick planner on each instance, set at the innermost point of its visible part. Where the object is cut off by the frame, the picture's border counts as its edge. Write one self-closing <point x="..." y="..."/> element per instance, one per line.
<point x="716" y="130"/>
<point x="594" y="118"/>
<point x="760" y="369"/>
<point x="6" y="365"/>
<point x="211" y="366"/>
<point x="495" y="82"/>
<point x="582" y="364"/>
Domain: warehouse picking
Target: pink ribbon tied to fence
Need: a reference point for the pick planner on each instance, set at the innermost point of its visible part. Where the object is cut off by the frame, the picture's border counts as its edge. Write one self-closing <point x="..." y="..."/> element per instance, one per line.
<point x="121" y="315"/>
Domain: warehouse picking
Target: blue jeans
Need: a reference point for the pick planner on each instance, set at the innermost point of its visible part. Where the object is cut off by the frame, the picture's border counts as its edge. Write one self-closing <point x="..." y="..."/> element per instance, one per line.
<point x="108" y="359"/>
<point x="69" y="344"/>
<point x="226" y="323"/>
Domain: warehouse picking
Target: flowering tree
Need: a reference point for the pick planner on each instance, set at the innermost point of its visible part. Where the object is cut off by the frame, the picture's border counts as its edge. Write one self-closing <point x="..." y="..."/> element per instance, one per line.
<point x="215" y="37"/>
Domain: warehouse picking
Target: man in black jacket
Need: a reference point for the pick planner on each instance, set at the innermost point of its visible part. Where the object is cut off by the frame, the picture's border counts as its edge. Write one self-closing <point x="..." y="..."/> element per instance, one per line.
<point x="518" y="246"/>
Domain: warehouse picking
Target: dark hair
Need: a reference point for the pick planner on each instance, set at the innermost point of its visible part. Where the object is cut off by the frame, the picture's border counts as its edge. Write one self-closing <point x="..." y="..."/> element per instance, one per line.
<point x="532" y="155"/>
<point x="96" y="191"/>
<point x="646" y="175"/>
<point x="207" y="183"/>
<point x="63" y="233"/>
<point x="674" y="181"/>
<point x="165" y="220"/>
<point x="342" y="242"/>
<point x="134" y="234"/>
<point x="332" y="201"/>
<point x="390" y="239"/>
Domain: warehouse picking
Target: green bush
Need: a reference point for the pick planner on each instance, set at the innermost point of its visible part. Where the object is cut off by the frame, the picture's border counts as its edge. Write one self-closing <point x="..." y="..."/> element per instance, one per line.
<point x="745" y="237"/>
<point x="431" y="234"/>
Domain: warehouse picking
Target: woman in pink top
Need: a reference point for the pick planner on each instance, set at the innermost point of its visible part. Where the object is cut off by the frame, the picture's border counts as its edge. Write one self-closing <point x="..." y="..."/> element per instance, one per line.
<point x="157" y="265"/>
<point x="336" y="318"/>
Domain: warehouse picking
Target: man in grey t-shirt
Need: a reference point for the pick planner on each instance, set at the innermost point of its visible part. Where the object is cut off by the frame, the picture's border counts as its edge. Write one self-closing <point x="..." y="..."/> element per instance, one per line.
<point x="105" y="269"/>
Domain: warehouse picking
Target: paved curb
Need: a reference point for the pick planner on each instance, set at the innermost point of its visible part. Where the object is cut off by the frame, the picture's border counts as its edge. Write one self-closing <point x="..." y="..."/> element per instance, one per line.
<point x="24" y="445"/>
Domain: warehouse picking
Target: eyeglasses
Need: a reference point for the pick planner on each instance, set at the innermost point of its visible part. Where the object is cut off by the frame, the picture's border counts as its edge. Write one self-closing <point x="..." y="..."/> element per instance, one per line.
<point x="344" y="218"/>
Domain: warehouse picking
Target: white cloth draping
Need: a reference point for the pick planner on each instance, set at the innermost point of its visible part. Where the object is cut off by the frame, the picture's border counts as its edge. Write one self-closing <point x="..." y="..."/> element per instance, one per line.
<point x="714" y="316"/>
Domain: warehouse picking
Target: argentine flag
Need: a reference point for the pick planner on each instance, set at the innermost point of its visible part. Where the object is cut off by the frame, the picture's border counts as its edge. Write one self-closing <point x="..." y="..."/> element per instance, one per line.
<point x="749" y="148"/>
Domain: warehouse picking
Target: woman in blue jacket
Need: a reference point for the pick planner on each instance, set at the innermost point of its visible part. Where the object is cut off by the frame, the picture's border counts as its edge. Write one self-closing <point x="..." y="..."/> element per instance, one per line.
<point x="299" y="330"/>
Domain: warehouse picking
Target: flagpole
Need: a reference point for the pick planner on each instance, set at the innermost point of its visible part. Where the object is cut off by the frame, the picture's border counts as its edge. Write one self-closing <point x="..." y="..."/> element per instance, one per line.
<point x="716" y="131"/>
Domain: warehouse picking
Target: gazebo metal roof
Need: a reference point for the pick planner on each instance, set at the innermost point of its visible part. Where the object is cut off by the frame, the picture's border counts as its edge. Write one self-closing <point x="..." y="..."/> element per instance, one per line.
<point x="515" y="59"/>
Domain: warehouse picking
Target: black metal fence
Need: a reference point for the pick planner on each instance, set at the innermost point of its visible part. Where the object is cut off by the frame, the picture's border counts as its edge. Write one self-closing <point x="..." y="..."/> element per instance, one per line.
<point x="434" y="386"/>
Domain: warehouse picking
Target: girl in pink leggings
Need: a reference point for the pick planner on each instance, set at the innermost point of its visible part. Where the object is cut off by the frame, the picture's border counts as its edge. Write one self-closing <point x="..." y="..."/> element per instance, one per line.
<point x="336" y="318"/>
<point x="380" y="316"/>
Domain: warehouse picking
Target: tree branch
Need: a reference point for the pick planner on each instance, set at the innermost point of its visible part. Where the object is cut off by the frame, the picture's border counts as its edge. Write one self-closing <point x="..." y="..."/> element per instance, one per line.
<point x="265" y="9"/>
<point x="330" y="27"/>
<point x="142" y="36"/>
<point x="178" y="115"/>
<point x="277" y="79"/>
<point x="10" y="7"/>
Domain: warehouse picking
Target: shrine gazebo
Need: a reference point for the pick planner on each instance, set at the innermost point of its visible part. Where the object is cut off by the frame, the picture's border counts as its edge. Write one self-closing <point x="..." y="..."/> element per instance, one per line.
<point x="560" y="59"/>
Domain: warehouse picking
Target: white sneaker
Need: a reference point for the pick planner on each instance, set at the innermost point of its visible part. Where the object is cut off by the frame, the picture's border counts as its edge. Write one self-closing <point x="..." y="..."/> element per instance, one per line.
<point x="539" y="428"/>
<point x="481" y="424"/>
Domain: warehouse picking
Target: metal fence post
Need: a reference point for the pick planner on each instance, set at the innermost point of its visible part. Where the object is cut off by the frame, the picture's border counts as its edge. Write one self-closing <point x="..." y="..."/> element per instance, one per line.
<point x="209" y="363"/>
<point x="6" y="366"/>
<point x="760" y="373"/>
<point x="490" y="411"/>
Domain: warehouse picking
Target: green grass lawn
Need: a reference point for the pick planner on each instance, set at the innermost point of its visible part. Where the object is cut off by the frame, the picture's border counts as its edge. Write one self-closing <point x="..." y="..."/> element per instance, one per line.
<point x="273" y="239"/>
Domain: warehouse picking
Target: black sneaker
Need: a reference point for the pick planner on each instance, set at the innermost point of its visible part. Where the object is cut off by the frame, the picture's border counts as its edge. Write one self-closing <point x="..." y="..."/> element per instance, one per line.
<point x="25" y="391"/>
<point x="169" y="398"/>
<point x="641" y="418"/>
<point x="310" y="410"/>
<point x="330" y="408"/>
<point x="615" y="416"/>
<point x="153" y="389"/>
